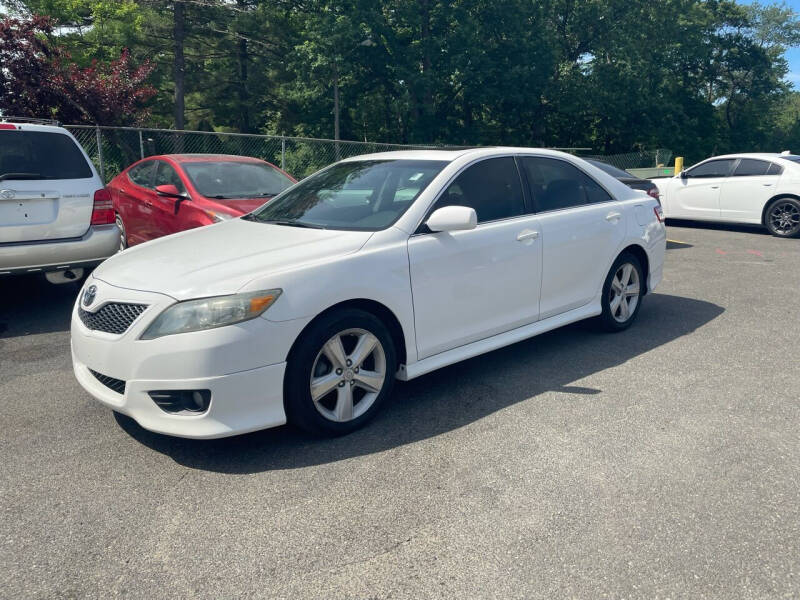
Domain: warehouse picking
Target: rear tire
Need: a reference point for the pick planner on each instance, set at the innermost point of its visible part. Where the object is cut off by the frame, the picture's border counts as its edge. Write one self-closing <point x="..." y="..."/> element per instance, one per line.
<point x="339" y="373"/>
<point x="782" y="218"/>
<point x="622" y="293"/>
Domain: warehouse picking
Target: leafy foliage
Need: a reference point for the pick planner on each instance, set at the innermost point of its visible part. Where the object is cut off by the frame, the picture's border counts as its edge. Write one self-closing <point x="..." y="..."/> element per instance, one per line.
<point x="38" y="79"/>
<point x="697" y="76"/>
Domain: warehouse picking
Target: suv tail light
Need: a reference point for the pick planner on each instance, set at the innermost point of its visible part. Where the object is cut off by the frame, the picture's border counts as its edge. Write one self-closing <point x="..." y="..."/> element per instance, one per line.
<point x="7" y="126"/>
<point x="103" y="210"/>
<point x="659" y="213"/>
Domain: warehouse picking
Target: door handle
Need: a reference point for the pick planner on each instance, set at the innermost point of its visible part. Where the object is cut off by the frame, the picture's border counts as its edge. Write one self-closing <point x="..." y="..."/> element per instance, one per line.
<point x="767" y="185"/>
<point x="613" y="217"/>
<point x="527" y="234"/>
<point x="714" y="187"/>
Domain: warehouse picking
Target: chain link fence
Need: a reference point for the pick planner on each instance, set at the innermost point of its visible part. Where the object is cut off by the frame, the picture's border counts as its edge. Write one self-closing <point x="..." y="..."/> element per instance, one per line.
<point x="114" y="148"/>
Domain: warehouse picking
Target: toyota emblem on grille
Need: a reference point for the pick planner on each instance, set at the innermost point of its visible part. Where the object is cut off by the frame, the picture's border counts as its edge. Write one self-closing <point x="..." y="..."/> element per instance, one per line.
<point x="7" y="194"/>
<point x="89" y="294"/>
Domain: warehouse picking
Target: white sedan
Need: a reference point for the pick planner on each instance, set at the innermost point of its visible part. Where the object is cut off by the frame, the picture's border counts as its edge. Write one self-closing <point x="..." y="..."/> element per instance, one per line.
<point x="377" y="268"/>
<point x="759" y="189"/>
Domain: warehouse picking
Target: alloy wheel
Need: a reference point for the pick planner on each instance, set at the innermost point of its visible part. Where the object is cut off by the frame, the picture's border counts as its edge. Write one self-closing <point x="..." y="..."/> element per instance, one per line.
<point x="348" y="375"/>
<point x="623" y="296"/>
<point x="785" y="218"/>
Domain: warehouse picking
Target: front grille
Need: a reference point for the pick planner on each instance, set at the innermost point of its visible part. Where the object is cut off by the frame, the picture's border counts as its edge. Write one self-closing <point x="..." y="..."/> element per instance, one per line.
<point x="115" y="317"/>
<point x="115" y="385"/>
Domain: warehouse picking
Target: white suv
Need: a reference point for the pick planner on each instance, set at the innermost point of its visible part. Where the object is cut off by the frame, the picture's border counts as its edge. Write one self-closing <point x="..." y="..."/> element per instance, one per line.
<point x="56" y="216"/>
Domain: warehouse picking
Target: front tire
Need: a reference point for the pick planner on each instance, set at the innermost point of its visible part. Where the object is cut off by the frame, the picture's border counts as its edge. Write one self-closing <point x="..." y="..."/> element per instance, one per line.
<point x="782" y="218"/>
<point x="123" y="236"/>
<point x="339" y="373"/>
<point x="622" y="293"/>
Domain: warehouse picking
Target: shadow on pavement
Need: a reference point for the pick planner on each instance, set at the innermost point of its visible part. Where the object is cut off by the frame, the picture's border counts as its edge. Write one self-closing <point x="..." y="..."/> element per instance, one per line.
<point x="735" y="227"/>
<point x="30" y="305"/>
<point x="452" y="397"/>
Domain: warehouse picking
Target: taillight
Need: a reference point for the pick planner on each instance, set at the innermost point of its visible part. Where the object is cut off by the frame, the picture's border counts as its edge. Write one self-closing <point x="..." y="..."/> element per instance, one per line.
<point x="654" y="193"/>
<point x="7" y="126"/>
<point x="659" y="213"/>
<point x="103" y="210"/>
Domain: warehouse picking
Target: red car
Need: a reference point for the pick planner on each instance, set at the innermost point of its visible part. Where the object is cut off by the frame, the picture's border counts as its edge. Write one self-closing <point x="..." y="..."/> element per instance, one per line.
<point x="160" y="195"/>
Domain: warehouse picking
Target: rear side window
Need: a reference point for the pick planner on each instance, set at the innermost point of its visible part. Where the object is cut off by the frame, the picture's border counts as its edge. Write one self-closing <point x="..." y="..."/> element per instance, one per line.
<point x="555" y="184"/>
<point x="41" y="155"/>
<point x="749" y="167"/>
<point x="492" y="187"/>
<point x="713" y="168"/>
<point x="774" y="169"/>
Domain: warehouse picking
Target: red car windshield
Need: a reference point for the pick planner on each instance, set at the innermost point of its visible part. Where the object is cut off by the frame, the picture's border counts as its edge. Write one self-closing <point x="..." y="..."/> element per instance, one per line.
<point x="230" y="180"/>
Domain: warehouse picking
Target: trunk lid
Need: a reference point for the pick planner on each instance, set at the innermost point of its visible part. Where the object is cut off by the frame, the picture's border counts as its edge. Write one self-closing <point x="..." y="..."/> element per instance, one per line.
<point x="46" y="186"/>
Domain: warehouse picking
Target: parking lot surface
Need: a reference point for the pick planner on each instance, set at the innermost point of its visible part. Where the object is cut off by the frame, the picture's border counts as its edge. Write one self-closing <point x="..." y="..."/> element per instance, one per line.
<point x="659" y="462"/>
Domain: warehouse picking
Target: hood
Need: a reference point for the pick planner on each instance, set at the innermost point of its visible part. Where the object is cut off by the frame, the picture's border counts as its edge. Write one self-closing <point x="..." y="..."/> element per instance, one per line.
<point x="220" y="259"/>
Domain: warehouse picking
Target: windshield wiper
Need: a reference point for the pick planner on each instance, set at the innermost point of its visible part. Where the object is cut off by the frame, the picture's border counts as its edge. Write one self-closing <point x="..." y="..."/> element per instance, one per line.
<point x="220" y="197"/>
<point x="291" y="223"/>
<point x="267" y="195"/>
<point x="21" y="176"/>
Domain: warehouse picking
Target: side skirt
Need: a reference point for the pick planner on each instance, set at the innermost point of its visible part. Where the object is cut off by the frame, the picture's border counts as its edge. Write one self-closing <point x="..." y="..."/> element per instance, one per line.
<point x="443" y="359"/>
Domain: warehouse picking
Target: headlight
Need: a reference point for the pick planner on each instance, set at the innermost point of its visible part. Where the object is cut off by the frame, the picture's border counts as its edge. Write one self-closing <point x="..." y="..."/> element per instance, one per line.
<point x="208" y="313"/>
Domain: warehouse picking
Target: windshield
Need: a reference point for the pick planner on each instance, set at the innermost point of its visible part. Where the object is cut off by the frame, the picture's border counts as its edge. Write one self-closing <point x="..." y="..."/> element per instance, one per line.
<point x="229" y="179"/>
<point x="611" y="170"/>
<point x="361" y="195"/>
<point x="40" y="155"/>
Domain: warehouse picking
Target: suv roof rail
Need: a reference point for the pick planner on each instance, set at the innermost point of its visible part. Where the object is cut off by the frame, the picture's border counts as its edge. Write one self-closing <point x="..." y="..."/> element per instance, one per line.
<point x="32" y="120"/>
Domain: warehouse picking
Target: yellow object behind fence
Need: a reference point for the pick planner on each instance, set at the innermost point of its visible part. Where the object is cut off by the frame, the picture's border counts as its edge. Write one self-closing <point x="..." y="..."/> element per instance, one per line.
<point x="678" y="165"/>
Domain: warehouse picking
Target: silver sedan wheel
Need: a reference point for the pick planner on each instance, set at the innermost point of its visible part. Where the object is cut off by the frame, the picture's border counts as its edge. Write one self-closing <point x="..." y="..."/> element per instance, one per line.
<point x="624" y="293"/>
<point x="347" y="375"/>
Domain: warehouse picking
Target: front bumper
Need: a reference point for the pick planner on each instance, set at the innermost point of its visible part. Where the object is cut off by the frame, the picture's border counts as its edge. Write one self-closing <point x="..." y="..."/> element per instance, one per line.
<point x="240" y="402"/>
<point x="242" y="365"/>
<point x="92" y="248"/>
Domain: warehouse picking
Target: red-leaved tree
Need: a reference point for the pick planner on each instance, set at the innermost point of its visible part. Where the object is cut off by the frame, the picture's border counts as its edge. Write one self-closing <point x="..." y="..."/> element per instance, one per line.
<point x="39" y="79"/>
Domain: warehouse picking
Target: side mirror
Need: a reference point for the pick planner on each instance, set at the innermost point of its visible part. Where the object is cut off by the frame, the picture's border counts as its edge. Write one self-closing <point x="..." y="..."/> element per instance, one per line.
<point x="684" y="175"/>
<point x="170" y="191"/>
<point x="452" y="218"/>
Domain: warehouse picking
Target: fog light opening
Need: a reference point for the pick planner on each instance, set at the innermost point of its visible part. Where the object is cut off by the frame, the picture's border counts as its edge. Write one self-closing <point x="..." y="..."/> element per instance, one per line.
<point x="176" y="402"/>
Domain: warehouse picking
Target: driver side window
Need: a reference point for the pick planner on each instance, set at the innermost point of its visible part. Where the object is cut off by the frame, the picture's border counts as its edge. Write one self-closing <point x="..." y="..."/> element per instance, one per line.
<point x="712" y="168"/>
<point x="166" y="175"/>
<point x="492" y="187"/>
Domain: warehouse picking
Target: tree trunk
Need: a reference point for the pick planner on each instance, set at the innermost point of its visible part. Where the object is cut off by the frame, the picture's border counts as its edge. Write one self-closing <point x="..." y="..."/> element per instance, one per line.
<point x="179" y="70"/>
<point x="244" y="111"/>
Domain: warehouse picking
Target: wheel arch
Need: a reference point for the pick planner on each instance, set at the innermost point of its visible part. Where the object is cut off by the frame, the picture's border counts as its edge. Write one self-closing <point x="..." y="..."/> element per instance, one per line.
<point x="769" y="202"/>
<point x="640" y="253"/>
<point x="375" y="308"/>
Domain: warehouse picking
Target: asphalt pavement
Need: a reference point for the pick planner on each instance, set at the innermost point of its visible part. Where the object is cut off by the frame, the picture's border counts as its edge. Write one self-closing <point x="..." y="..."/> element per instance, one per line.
<point x="662" y="462"/>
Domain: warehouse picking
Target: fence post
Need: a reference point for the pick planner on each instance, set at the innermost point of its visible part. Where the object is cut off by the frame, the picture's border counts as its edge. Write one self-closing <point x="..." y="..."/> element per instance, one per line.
<point x="283" y="153"/>
<point x="99" y="137"/>
<point x="141" y="145"/>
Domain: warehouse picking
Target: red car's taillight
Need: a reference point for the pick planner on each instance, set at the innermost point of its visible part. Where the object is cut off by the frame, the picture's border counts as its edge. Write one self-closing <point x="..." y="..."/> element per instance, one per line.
<point x="103" y="210"/>
<point x="659" y="213"/>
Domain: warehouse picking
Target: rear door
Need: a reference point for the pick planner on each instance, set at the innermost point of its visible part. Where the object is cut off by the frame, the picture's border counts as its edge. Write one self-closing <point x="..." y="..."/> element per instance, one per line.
<point x="744" y="194"/>
<point x="46" y="186"/>
<point x="134" y="196"/>
<point x="582" y="228"/>
<point x="696" y="196"/>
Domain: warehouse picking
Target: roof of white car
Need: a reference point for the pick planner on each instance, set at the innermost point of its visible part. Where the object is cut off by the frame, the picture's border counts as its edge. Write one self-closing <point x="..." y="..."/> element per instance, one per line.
<point x="53" y="128"/>
<point x="451" y="155"/>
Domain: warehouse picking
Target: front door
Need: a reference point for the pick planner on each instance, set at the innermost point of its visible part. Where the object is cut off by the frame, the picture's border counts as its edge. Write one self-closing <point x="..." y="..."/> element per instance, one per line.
<point x="470" y="285"/>
<point x="696" y="196"/>
<point x="164" y="209"/>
